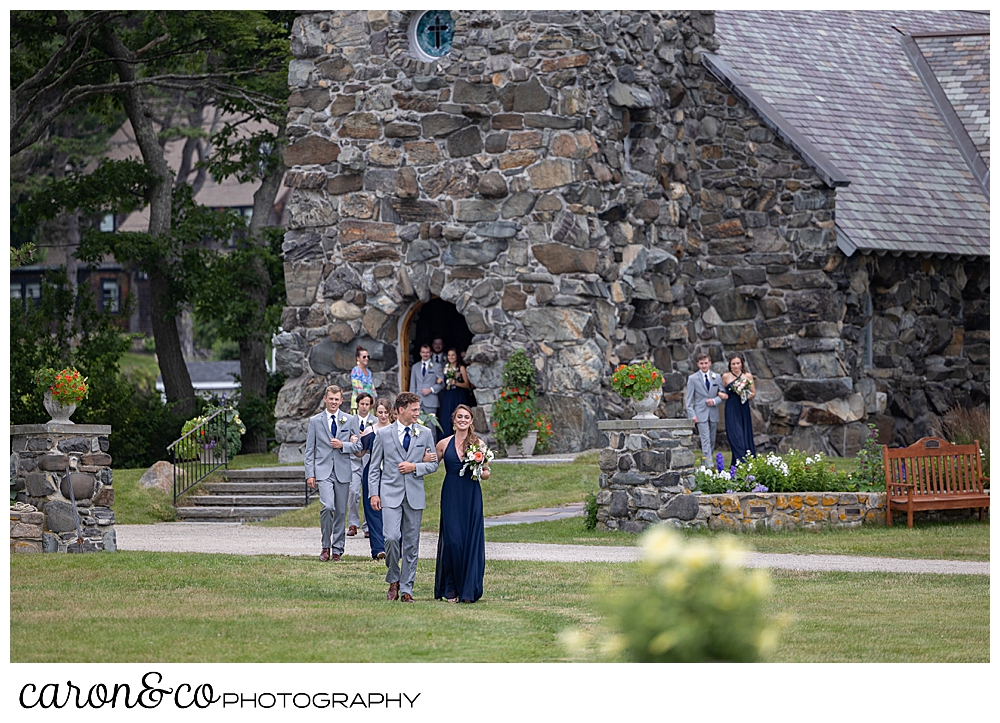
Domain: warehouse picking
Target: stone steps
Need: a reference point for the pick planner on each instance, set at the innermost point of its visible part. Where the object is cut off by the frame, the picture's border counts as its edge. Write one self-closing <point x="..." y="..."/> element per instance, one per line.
<point x="246" y="495"/>
<point x="228" y="514"/>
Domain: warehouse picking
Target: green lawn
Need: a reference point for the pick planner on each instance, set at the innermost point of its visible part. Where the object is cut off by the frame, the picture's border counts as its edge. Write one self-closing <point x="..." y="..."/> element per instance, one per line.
<point x="136" y="505"/>
<point x="173" y="607"/>
<point x="955" y="540"/>
<point x="139" y="361"/>
<point x="511" y="488"/>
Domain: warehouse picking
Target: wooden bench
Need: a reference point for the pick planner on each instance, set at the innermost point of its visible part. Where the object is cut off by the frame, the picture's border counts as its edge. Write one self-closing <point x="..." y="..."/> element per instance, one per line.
<point x="933" y="474"/>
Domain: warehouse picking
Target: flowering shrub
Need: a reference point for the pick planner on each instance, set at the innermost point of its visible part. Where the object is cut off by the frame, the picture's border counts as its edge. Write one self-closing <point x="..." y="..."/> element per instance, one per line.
<point x="544" y="427"/>
<point x="700" y="604"/>
<point x="795" y="472"/>
<point x="635" y="381"/>
<point x="227" y="428"/>
<point x="67" y="386"/>
<point x="513" y="414"/>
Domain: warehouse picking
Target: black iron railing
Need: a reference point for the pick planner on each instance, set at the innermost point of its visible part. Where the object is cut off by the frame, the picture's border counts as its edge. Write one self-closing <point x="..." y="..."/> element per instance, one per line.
<point x="200" y="452"/>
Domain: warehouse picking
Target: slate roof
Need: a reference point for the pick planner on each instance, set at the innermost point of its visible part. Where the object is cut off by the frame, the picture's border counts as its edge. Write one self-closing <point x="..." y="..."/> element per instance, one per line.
<point x="843" y="80"/>
<point x="961" y="64"/>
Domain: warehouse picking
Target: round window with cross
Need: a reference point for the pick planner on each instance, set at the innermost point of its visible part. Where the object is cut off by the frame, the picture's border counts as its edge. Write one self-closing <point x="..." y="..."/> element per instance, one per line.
<point x="431" y="34"/>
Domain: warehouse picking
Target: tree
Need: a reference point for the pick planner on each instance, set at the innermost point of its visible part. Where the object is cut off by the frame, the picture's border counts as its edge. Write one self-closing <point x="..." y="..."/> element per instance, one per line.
<point x="146" y="62"/>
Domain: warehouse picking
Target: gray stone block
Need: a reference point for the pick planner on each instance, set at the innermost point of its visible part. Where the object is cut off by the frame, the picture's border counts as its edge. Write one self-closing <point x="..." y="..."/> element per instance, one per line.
<point x="682" y="507"/>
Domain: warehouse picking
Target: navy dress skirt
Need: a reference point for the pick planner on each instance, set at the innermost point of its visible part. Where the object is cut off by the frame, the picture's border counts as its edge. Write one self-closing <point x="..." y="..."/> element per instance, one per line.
<point x="374" y="518"/>
<point x="461" y="553"/>
<point x="739" y="427"/>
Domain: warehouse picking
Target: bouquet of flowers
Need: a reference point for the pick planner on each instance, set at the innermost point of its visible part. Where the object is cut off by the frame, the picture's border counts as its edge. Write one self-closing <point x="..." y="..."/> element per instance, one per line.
<point x="743" y="386"/>
<point x="450" y="376"/>
<point x="477" y="458"/>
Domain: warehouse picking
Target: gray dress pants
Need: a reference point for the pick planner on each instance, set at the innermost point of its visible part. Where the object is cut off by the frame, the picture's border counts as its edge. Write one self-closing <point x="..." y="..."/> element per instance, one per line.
<point x="333" y="498"/>
<point x="401" y="527"/>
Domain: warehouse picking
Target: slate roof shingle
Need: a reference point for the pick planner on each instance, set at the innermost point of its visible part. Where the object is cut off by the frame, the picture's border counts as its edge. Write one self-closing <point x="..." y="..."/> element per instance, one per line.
<point x="843" y="80"/>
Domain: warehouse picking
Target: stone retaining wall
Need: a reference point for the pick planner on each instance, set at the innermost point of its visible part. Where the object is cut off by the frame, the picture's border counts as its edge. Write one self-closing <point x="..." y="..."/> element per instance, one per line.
<point x="26" y="531"/>
<point x="45" y="460"/>
<point x="785" y="511"/>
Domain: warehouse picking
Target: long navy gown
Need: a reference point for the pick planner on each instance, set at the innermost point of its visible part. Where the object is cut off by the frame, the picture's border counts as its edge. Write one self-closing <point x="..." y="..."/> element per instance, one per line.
<point x="376" y="539"/>
<point x="739" y="427"/>
<point x="461" y="553"/>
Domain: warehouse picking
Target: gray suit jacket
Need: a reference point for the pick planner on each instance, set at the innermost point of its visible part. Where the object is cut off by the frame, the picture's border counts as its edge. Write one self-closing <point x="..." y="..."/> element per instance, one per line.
<point x="384" y="477"/>
<point x="320" y="458"/>
<point x="418" y="381"/>
<point x="697" y="397"/>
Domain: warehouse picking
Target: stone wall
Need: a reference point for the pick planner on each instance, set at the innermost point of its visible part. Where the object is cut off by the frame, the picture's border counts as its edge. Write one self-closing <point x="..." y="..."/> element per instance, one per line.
<point x="578" y="184"/>
<point x="647" y="474"/>
<point x="26" y="530"/>
<point x="748" y="511"/>
<point x="45" y="460"/>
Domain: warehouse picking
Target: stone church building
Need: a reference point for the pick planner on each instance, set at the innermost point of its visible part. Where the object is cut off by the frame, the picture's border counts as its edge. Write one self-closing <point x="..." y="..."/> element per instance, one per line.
<point x="810" y="189"/>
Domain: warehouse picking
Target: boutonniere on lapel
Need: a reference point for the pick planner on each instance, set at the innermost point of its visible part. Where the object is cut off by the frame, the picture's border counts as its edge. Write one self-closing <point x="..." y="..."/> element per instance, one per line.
<point x="416" y="431"/>
<point x="342" y="420"/>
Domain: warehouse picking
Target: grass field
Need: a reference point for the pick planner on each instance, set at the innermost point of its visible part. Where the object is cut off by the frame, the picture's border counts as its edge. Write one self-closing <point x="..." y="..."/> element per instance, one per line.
<point x="173" y="607"/>
<point x="511" y="488"/>
<point x="954" y="540"/>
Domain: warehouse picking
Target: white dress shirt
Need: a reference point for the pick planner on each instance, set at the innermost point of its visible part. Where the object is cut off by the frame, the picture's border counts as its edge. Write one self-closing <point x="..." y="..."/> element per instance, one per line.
<point x="401" y="431"/>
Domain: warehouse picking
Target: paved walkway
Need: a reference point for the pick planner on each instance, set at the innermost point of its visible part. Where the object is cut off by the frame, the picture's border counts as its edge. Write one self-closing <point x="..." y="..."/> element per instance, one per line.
<point x="235" y="538"/>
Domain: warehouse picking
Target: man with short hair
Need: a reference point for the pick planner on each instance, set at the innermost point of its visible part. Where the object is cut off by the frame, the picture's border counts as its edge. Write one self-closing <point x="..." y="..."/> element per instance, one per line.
<point x="704" y="390"/>
<point x="331" y="441"/>
<point x="438" y="354"/>
<point x="402" y="454"/>
<point x="427" y="380"/>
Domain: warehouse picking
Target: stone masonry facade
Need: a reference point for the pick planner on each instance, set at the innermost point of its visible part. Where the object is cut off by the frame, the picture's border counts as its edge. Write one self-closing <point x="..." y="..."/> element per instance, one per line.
<point x="579" y="185"/>
<point x="46" y="461"/>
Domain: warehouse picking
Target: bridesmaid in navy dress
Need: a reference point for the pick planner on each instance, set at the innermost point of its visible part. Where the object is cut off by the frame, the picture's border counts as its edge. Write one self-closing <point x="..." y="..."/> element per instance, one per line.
<point x="461" y="553"/>
<point x="739" y="426"/>
<point x="454" y="393"/>
<point x="373" y="517"/>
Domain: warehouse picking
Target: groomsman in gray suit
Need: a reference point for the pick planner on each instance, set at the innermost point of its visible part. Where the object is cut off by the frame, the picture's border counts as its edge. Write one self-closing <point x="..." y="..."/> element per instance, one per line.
<point x="331" y="441"/>
<point x="426" y="381"/>
<point x="396" y="486"/>
<point x="704" y="390"/>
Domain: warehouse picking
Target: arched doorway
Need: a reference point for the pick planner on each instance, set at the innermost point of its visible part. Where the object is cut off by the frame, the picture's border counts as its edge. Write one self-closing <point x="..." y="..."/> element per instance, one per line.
<point x="424" y="322"/>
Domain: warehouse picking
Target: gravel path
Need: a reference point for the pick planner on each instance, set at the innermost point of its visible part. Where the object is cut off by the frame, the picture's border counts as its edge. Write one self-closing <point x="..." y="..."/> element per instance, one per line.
<point x="254" y="540"/>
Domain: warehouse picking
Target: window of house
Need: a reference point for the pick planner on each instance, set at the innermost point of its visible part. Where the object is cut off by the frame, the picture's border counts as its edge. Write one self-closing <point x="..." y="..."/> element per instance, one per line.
<point x="33" y="291"/>
<point x="15" y="290"/>
<point x="107" y="223"/>
<point x="110" y="295"/>
<point x="431" y="34"/>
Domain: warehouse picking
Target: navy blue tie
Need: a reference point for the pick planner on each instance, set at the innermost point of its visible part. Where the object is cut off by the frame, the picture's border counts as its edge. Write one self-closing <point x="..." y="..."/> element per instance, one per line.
<point x="424" y="372"/>
<point x="362" y="425"/>
<point x="406" y="439"/>
<point x="333" y="426"/>
<point x="707" y="384"/>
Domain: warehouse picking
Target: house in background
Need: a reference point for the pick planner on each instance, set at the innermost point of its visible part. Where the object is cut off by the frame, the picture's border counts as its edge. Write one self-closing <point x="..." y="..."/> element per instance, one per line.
<point x="110" y="281"/>
<point x="209" y="378"/>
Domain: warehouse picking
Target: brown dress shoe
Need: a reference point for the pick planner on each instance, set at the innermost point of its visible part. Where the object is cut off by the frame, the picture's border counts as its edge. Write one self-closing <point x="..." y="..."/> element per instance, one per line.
<point x="352" y="530"/>
<point x="380" y="556"/>
<point x="336" y="557"/>
<point x="366" y="534"/>
<point x="324" y="555"/>
<point x="407" y="597"/>
<point x="393" y="593"/>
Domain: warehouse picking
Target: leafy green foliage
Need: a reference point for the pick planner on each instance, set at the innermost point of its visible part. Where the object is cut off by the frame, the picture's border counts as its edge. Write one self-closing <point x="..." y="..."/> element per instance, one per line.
<point x="513" y="414"/>
<point x="590" y="511"/>
<point x="141" y="424"/>
<point x="519" y="371"/>
<point x="871" y="464"/>
<point x="793" y="472"/>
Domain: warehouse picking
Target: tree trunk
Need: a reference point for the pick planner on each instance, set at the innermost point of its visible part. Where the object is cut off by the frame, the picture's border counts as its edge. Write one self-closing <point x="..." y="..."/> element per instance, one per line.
<point x="176" y="380"/>
<point x="253" y="372"/>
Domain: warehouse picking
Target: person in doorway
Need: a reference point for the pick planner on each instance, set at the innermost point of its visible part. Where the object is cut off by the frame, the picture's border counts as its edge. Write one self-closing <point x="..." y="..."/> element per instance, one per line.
<point x="362" y="380"/>
<point x="366" y="421"/>
<point x="331" y="439"/>
<point x="456" y="382"/>
<point x="437" y="351"/>
<point x="704" y="390"/>
<point x="402" y="454"/>
<point x="427" y="381"/>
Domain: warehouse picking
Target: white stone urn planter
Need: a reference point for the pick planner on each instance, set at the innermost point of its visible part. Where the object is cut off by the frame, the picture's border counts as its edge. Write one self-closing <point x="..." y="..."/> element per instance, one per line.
<point x="645" y="408"/>
<point x="526" y="447"/>
<point x="59" y="412"/>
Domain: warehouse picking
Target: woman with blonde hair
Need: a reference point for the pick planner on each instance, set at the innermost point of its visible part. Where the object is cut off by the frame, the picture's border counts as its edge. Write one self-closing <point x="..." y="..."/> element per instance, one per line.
<point x="461" y="553"/>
